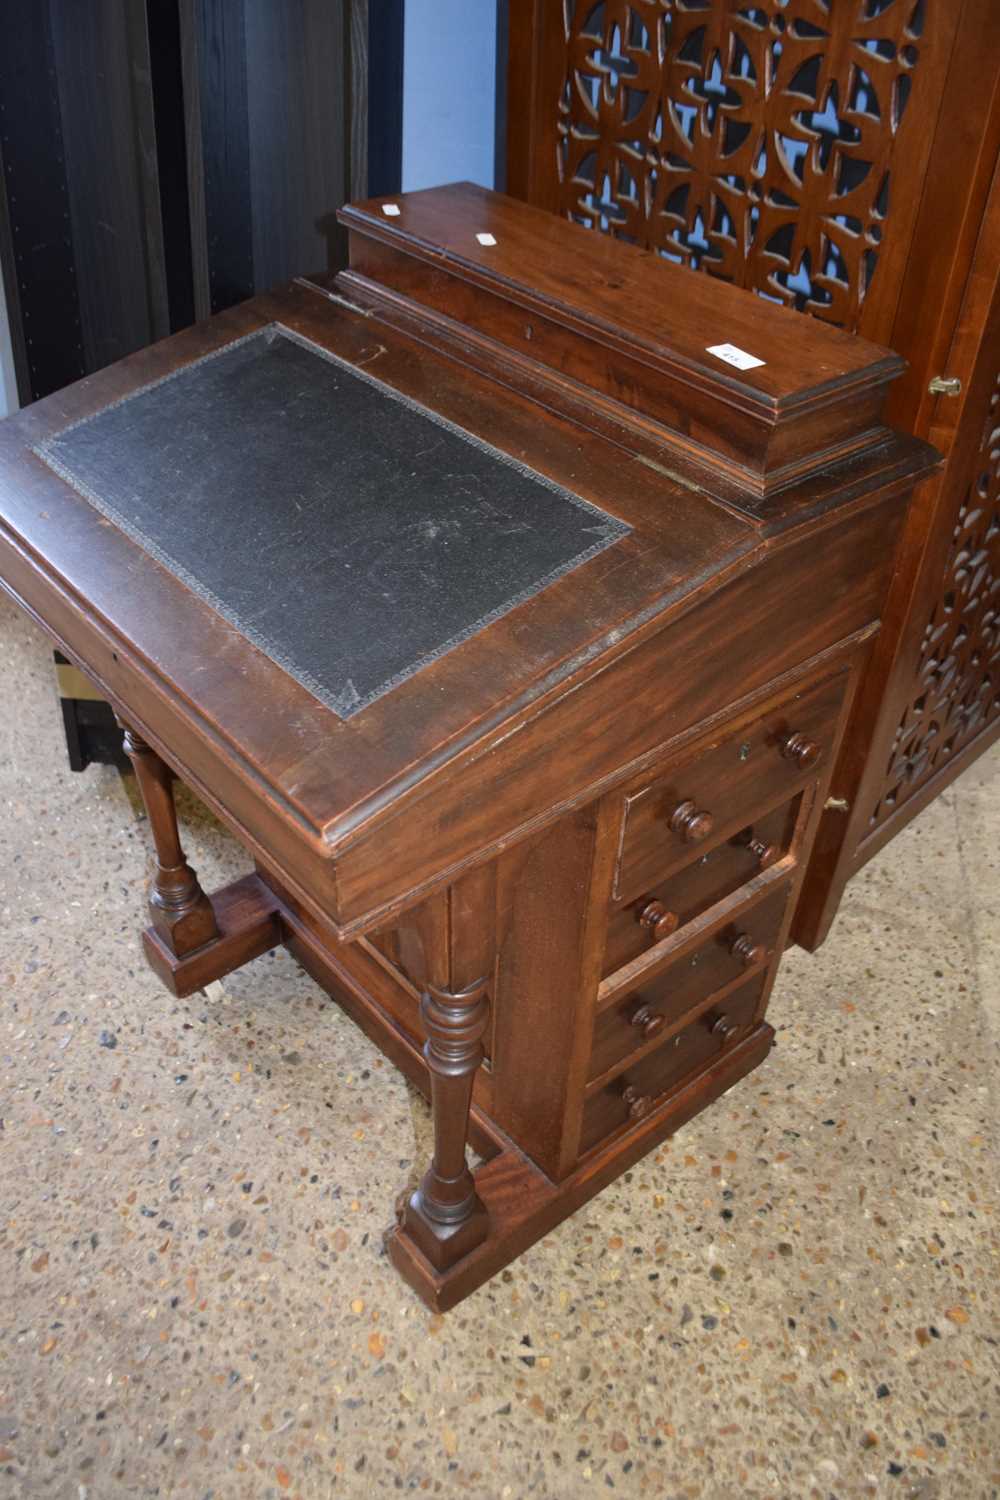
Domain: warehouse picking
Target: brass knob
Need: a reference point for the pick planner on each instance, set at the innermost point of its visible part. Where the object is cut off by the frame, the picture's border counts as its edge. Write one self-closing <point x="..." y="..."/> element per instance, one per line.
<point x="638" y="1104"/>
<point x="660" y="922"/>
<point x="724" y="1028"/>
<point x="747" y="951"/>
<point x="649" y="1022"/>
<point x="691" y="822"/>
<point x="802" y="750"/>
<point x="765" y="854"/>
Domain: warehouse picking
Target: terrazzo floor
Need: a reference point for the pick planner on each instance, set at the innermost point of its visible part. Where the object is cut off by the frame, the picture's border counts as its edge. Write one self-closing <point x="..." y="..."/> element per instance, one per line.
<point x="798" y="1296"/>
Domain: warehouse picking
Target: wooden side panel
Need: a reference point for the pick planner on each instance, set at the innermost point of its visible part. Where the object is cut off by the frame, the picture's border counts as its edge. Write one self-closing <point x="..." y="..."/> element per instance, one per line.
<point x="419" y="944"/>
<point x="953" y="200"/>
<point x="472" y="935"/>
<point x="535" y="67"/>
<point x="552" y="896"/>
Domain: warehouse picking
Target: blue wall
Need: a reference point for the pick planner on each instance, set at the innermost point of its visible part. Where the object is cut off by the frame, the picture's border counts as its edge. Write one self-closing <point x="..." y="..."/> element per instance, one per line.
<point x="449" y="87"/>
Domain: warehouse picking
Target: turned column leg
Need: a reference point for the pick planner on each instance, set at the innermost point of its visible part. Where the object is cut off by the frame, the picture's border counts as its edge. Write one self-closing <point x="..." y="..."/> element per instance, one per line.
<point x="179" y="909"/>
<point x="445" y="1217"/>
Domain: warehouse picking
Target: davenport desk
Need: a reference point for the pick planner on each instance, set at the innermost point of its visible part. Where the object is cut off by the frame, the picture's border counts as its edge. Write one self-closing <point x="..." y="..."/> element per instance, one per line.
<point x="505" y="596"/>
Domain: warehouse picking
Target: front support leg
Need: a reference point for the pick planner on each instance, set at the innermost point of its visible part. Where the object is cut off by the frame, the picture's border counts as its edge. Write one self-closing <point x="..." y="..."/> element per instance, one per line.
<point x="179" y="910"/>
<point x="445" y="1217"/>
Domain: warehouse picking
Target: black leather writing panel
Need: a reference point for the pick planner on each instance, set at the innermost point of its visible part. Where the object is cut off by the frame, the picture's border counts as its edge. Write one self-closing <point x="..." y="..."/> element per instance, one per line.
<point x="350" y="534"/>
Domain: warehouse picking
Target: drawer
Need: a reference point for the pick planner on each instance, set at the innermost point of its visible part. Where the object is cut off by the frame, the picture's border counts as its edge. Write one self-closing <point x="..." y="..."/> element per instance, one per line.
<point x="640" y="1018"/>
<point x="639" y="925"/>
<point x="724" y="784"/>
<point x="644" y="1085"/>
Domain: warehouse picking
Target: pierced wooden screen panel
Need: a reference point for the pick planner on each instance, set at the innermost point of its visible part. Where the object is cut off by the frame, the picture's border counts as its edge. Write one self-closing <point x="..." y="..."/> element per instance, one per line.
<point x="955" y="692"/>
<point x="759" y="142"/>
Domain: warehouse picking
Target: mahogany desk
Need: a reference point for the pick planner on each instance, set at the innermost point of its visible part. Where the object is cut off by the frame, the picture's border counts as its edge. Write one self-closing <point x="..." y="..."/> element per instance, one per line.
<point x="512" y="630"/>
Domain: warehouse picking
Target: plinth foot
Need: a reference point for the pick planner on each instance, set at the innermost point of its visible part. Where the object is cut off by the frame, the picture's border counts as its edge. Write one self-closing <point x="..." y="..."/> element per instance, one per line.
<point x="247" y="925"/>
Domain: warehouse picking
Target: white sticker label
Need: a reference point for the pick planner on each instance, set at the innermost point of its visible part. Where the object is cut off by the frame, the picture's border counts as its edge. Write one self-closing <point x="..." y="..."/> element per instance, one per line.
<point x="391" y="210"/>
<point x="486" y="239"/>
<point x="733" y="356"/>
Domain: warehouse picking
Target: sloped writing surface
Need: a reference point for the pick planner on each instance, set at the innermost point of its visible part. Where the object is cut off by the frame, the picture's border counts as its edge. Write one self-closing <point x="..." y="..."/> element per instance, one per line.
<point x="350" y="534"/>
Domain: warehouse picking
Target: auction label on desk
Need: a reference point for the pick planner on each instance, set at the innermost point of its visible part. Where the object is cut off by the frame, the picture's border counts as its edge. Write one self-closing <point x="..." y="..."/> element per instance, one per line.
<point x="733" y="356"/>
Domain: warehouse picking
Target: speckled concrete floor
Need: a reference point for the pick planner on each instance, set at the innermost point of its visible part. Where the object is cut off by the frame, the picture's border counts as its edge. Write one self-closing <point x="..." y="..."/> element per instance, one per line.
<point x="797" y="1297"/>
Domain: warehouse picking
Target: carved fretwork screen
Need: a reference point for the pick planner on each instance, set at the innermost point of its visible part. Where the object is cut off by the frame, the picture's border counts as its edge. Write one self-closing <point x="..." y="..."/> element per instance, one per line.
<point x="956" y="683"/>
<point x="756" y="141"/>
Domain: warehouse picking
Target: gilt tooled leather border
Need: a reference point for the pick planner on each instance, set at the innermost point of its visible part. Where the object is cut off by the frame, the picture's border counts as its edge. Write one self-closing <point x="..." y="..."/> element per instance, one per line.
<point x="348" y="701"/>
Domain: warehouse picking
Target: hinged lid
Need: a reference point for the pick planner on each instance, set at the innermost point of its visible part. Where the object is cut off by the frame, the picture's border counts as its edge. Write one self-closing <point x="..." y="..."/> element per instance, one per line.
<point x="742" y="385"/>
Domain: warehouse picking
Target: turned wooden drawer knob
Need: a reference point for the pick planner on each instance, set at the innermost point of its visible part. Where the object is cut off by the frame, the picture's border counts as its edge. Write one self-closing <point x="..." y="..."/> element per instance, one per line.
<point x="724" y="1028"/>
<point x="802" y="750"/>
<point x="764" y="853"/>
<point x="649" y="1022"/>
<point x="637" y="1104"/>
<point x="659" y="921"/>
<point x="691" y="822"/>
<point x="747" y="951"/>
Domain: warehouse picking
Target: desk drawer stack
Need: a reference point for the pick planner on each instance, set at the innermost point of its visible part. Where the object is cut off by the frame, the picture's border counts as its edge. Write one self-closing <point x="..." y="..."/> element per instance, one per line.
<point x="702" y="898"/>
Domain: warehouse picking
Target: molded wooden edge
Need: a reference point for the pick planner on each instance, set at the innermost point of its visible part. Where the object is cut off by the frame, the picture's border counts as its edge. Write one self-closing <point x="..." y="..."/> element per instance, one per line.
<point x="757" y="403"/>
<point x="524" y="1205"/>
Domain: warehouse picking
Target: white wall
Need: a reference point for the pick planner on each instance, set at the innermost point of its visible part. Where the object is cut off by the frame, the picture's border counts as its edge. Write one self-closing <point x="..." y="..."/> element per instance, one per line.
<point x="8" y="383"/>
<point x="449" y="87"/>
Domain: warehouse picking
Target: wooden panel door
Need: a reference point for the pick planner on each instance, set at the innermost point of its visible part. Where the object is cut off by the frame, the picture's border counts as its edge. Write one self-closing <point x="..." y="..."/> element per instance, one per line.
<point x="940" y="696"/>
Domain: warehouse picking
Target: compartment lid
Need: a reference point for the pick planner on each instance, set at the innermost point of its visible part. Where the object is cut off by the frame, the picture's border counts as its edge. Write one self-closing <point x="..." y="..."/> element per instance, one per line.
<point x="751" y="388"/>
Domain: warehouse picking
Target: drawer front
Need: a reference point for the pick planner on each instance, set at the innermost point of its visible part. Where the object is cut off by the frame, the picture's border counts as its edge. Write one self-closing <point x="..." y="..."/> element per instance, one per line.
<point x="639" y="925"/>
<point x="637" y="1021"/>
<point x="644" y="1085"/>
<point x="703" y="799"/>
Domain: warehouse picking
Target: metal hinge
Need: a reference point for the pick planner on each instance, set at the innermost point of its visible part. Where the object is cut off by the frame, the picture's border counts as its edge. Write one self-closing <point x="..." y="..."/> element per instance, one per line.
<point x="837" y="804"/>
<point x="945" y="385"/>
